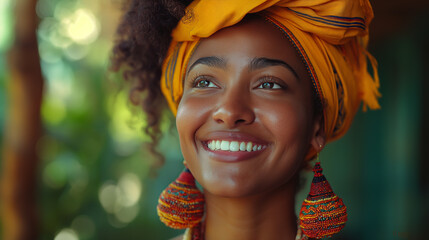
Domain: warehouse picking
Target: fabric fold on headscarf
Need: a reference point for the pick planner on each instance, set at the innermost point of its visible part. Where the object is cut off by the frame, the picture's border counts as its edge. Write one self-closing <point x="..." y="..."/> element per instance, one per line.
<point x="331" y="37"/>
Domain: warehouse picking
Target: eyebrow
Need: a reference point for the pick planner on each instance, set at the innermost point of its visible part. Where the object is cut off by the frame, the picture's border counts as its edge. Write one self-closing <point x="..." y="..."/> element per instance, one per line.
<point x="211" y="61"/>
<point x="262" y="62"/>
<point x="256" y="63"/>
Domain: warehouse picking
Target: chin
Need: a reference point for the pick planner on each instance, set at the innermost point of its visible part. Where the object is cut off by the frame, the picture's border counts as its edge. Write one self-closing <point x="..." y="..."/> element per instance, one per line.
<point x="230" y="186"/>
<point x="246" y="185"/>
<point x="223" y="184"/>
<point x="228" y="191"/>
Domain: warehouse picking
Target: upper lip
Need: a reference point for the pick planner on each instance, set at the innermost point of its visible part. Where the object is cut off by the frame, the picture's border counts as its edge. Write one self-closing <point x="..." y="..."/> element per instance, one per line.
<point x="233" y="136"/>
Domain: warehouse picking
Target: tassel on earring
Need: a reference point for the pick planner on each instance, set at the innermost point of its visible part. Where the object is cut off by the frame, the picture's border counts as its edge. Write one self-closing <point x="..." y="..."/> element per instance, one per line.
<point x="322" y="213"/>
<point x="181" y="204"/>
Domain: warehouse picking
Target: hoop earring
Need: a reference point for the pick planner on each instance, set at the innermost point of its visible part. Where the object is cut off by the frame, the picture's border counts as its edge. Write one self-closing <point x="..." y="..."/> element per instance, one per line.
<point x="323" y="213"/>
<point x="181" y="204"/>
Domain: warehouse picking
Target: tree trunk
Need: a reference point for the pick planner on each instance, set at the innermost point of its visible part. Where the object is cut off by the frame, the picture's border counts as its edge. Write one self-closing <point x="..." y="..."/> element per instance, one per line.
<point x="22" y="129"/>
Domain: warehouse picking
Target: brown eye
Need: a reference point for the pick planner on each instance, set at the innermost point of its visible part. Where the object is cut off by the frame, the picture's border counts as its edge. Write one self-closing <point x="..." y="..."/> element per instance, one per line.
<point x="269" y="85"/>
<point x="204" y="83"/>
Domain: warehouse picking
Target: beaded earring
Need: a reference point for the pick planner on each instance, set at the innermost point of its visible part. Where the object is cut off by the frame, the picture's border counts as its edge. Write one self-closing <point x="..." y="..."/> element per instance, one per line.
<point x="322" y="213"/>
<point x="181" y="204"/>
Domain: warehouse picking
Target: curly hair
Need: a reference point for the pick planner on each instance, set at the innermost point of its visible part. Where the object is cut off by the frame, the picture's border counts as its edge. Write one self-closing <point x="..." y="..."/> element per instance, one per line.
<point x="143" y="38"/>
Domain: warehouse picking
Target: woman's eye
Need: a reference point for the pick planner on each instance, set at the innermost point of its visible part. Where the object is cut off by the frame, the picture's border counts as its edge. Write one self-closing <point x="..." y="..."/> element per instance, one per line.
<point x="269" y="85"/>
<point x="204" y="83"/>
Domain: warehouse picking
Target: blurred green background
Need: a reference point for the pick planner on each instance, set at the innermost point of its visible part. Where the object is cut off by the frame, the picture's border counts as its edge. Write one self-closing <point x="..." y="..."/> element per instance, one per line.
<point x="94" y="179"/>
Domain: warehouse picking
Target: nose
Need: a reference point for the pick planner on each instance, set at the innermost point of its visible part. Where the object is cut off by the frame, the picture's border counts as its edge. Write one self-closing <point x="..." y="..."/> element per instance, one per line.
<point x="234" y="109"/>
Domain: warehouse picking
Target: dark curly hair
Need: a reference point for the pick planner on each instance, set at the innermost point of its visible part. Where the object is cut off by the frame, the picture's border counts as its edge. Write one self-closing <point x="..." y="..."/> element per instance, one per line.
<point x="143" y="38"/>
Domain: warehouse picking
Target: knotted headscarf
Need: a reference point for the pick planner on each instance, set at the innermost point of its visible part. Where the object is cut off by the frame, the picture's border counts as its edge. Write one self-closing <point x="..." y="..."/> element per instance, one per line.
<point x="329" y="35"/>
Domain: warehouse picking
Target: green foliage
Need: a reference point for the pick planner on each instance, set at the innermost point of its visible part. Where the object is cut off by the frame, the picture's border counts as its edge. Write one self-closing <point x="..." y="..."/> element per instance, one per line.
<point x="94" y="173"/>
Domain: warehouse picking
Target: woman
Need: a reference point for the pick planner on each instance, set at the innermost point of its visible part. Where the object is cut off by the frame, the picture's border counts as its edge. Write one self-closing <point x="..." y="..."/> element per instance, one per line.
<point x="258" y="88"/>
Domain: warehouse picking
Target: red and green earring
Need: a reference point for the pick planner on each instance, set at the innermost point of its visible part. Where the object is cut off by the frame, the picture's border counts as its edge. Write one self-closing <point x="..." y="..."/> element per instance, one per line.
<point x="181" y="204"/>
<point x="323" y="213"/>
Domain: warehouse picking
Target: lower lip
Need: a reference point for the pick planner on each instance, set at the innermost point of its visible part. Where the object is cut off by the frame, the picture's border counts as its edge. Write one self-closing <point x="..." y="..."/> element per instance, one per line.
<point x="229" y="156"/>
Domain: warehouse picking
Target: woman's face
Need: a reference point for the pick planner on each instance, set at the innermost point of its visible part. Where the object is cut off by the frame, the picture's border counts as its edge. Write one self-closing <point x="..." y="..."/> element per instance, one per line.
<point x="245" y="120"/>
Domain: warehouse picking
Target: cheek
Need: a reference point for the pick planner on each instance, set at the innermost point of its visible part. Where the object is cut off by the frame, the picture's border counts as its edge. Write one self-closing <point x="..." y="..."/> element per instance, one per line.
<point x="288" y="123"/>
<point x="286" y="120"/>
<point x="191" y="115"/>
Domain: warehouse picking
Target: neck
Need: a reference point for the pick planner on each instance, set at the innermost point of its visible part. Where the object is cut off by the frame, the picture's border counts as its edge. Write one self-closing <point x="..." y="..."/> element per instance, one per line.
<point x="265" y="216"/>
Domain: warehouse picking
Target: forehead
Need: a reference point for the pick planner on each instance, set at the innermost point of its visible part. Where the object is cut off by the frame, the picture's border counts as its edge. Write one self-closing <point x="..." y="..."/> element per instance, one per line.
<point x="252" y="37"/>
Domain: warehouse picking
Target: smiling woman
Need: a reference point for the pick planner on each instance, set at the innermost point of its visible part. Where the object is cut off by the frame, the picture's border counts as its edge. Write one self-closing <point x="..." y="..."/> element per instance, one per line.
<point x="258" y="88"/>
<point x="246" y="96"/>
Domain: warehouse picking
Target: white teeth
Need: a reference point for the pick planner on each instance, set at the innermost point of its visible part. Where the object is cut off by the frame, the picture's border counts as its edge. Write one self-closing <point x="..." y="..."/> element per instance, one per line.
<point x="242" y="146"/>
<point x="217" y="146"/>
<point x="224" y="145"/>
<point x="233" y="146"/>
<point x="212" y="145"/>
<point x="249" y="147"/>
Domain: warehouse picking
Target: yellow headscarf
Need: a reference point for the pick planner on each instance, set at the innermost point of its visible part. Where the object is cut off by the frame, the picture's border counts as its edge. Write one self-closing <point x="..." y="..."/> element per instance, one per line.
<point x="330" y="36"/>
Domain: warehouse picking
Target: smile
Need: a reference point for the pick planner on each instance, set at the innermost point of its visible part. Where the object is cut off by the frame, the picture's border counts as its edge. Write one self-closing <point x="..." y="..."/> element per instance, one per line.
<point x="234" y="146"/>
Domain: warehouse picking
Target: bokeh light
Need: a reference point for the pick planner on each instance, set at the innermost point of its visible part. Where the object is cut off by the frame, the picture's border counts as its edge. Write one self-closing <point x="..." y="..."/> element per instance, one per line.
<point x="121" y="199"/>
<point x="131" y="187"/>
<point x="67" y="234"/>
<point x="109" y="196"/>
<point x="82" y="26"/>
<point x="127" y="214"/>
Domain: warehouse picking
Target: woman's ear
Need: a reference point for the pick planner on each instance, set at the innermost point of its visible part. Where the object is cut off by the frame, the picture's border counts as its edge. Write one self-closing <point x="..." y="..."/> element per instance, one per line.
<point x="318" y="139"/>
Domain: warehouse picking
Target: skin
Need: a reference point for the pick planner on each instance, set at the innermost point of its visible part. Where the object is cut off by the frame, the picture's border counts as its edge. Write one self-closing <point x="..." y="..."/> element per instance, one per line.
<point x="247" y="83"/>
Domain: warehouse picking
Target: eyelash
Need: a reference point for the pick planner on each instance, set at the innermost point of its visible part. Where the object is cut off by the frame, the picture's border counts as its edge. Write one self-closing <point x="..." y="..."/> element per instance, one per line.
<point x="198" y="79"/>
<point x="264" y="79"/>
<point x="271" y="79"/>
